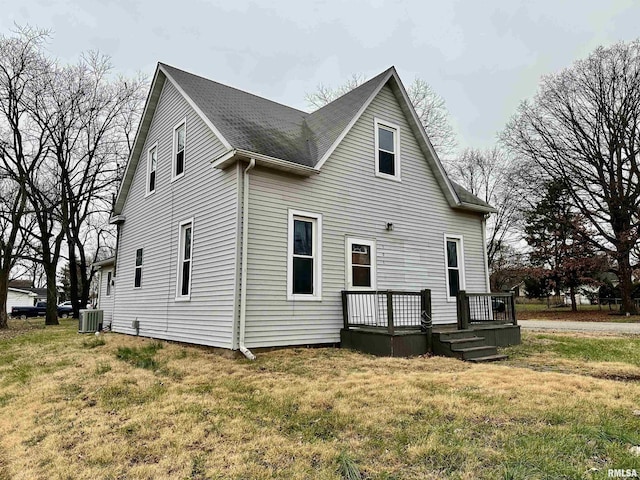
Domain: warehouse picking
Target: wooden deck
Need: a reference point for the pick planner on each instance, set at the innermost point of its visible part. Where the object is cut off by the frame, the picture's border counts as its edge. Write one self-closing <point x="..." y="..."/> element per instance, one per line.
<point x="398" y="324"/>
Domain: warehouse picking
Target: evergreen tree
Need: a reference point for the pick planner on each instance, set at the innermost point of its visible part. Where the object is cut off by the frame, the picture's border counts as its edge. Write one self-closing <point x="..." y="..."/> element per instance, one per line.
<point x="561" y="254"/>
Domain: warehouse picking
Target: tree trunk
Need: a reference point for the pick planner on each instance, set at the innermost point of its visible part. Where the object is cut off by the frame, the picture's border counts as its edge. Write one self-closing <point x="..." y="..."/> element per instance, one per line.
<point x="572" y="293"/>
<point x="52" y="296"/>
<point x="626" y="283"/>
<point x="4" y="284"/>
<point x="73" y="280"/>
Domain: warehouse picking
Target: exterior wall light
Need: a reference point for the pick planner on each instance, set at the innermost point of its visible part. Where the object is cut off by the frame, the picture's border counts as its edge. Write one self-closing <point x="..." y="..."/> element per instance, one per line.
<point x="389" y="227"/>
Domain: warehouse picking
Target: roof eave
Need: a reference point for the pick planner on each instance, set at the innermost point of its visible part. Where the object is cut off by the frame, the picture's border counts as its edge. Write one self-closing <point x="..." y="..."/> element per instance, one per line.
<point x="230" y="157"/>
<point x="143" y="129"/>
<point x="416" y="126"/>
<point x="104" y="263"/>
<point x="476" y="208"/>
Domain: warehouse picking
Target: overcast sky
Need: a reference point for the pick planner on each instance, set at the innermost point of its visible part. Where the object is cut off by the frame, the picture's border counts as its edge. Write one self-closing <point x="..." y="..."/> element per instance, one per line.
<point x="483" y="57"/>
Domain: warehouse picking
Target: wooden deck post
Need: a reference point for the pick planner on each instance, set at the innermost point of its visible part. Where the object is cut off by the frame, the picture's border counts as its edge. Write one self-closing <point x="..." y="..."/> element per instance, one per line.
<point x="390" y="312"/>
<point x="345" y="310"/>
<point x="425" y="307"/>
<point x="462" y="304"/>
<point x="513" y="308"/>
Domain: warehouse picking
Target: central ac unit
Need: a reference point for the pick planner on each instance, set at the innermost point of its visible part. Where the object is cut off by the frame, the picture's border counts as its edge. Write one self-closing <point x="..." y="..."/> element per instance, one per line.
<point x="90" y="321"/>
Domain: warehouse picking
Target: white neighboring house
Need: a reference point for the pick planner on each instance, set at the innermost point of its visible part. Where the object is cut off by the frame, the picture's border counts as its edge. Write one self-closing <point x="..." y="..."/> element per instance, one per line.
<point x="241" y="220"/>
<point x="20" y="298"/>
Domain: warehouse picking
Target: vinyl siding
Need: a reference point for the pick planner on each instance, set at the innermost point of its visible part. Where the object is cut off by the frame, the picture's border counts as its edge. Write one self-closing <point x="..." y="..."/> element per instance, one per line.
<point x="354" y="202"/>
<point x="207" y="195"/>
<point x="105" y="303"/>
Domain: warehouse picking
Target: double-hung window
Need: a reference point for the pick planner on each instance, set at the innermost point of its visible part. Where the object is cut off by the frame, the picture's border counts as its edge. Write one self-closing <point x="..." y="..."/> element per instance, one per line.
<point x="137" y="282"/>
<point x="387" y="145"/>
<point x="361" y="264"/>
<point x="179" y="147"/>
<point x="185" y="255"/>
<point x="152" y="163"/>
<point x="304" y="266"/>
<point x="455" y="265"/>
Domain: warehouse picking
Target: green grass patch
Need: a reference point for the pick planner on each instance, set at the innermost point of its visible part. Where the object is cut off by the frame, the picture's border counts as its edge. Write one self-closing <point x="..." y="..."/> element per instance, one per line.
<point x="141" y="357"/>
<point x="126" y="394"/>
<point x="93" y="342"/>
<point x="102" y="368"/>
<point x="347" y="467"/>
<point x="588" y="349"/>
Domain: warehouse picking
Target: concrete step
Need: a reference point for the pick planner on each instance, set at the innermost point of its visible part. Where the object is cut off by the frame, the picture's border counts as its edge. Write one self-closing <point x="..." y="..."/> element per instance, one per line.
<point x="474" y="352"/>
<point x="488" y="358"/>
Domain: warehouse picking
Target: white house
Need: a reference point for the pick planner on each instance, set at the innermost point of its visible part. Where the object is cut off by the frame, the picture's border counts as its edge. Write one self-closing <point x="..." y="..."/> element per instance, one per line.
<point x="241" y="220"/>
<point x="17" y="297"/>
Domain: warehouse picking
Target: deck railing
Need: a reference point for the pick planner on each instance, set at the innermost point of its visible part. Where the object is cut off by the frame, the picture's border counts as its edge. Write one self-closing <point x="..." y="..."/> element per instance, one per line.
<point x="485" y="309"/>
<point x="386" y="309"/>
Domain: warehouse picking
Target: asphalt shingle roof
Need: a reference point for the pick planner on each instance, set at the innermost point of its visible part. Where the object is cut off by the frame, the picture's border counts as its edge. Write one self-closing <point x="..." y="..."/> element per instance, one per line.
<point x="466" y="196"/>
<point x="252" y="123"/>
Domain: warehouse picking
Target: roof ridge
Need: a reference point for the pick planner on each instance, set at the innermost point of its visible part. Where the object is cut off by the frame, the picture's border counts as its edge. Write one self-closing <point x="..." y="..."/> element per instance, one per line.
<point x="359" y="87"/>
<point x="236" y="89"/>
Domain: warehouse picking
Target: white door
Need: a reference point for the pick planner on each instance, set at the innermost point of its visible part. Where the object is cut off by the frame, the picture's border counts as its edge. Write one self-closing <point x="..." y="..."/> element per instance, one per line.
<point x="364" y="309"/>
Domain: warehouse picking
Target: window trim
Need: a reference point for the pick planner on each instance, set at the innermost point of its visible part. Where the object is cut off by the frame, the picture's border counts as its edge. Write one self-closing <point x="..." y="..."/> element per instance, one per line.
<point x="349" y="241"/>
<point x="107" y="291"/>
<point x="179" y="297"/>
<point x="316" y="296"/>
<point x="377" y="122"/>
<point x="175" y="177"/>
<point x="148" y="178"/>
<point x="460" y="251"/>
<point x="136" y="267"/>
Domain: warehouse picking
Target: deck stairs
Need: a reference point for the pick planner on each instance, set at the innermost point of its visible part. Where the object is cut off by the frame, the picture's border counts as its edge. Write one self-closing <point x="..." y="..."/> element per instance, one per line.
<point x="466" y="345"/>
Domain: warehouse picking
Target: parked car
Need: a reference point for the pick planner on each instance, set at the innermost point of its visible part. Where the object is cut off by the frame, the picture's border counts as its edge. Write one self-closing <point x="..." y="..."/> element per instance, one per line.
<point x="38" y="310"/>
<point x="65" y="309"/>
<point x="498" y="305"/>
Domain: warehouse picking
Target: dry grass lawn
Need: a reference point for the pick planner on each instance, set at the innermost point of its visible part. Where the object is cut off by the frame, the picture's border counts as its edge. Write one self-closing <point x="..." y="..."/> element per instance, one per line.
<point x="76" y="406"/>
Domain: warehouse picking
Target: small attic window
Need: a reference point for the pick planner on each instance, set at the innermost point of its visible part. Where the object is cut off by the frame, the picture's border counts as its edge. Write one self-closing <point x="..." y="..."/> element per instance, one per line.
<point x="387" y="145"/>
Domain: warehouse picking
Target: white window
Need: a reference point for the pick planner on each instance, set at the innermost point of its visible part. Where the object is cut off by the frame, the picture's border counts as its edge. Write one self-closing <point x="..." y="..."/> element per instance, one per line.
<point x="361" y="264"/>
<point x="152" y="163"/>
<point x="185" y="256"/>
<point x="179" y="148"/>
<point x="454" y="258"/>
<point x="137" y="282"/>
<point x="109" y="279"/>
<point x="387" y="136"/>
<point x="304" y="263"/>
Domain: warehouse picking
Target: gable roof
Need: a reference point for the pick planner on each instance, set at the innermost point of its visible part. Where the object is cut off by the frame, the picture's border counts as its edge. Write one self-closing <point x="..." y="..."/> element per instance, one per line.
<point x="283" y="137"/>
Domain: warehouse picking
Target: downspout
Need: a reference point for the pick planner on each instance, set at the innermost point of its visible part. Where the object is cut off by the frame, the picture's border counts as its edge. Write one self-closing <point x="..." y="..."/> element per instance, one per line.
<point x="245" y="240"/>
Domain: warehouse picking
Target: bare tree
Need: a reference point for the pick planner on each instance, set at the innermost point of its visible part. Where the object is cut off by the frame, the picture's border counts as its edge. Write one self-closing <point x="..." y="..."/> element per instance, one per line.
<point x="429" y="106"/>
<point x="489" y="174"/>
<point x="583" y="129"/>
<point x="86" y="114"/>
<point x="23" y="144"/>
<point x="326" y="94"/>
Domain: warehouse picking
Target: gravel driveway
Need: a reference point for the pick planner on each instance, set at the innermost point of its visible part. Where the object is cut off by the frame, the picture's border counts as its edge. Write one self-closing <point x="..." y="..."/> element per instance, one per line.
<point x="607" y="327"/>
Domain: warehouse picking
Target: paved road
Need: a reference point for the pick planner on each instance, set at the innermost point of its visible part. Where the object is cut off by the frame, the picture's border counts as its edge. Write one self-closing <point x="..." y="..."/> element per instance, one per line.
<point x="608" y="327"/>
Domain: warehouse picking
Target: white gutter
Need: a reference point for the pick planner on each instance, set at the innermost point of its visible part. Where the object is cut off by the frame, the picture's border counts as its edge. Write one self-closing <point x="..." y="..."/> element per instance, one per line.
<point x="245" y="240"/>
<point x="227" y="158"/>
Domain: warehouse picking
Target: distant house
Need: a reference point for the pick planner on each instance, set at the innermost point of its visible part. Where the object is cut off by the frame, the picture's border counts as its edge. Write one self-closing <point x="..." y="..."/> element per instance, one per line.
<point x="241" y="220"/>
<point x="23" y="294"/>
<point x="19" y="297"/>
